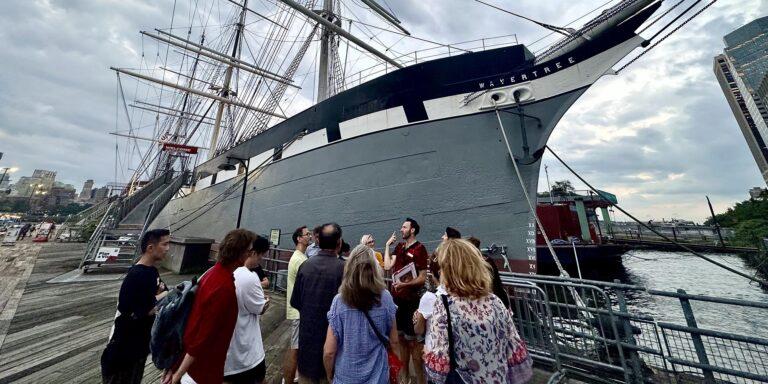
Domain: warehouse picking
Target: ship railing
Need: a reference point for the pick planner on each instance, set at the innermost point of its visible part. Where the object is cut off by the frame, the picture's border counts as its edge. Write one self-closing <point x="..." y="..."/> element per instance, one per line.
<point x="569" y="196"/>
<point x="604" y="340"/>
<point x="422" y="55"/>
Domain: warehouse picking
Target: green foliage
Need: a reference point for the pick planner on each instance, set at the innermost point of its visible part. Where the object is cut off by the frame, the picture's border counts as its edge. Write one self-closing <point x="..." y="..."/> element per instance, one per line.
<point x="751" y="232"/>
<point x="749" y="219"/>
<point x="88" y="230"/>
<point x="562" y="188"/>
<point x="14" y="205"/>
<point x="69" y="209"/>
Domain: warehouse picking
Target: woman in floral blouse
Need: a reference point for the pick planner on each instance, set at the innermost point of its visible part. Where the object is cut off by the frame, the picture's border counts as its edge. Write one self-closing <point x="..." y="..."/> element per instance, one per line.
<point x="486" y="344"/>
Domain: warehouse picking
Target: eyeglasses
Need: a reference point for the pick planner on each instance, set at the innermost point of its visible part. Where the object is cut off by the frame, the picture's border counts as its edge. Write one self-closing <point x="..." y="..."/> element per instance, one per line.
<point x="307" y="234"/>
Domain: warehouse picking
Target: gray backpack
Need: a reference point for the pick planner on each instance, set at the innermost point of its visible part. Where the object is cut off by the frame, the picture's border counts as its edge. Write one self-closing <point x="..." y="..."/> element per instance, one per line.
<point x="171" y="319"/>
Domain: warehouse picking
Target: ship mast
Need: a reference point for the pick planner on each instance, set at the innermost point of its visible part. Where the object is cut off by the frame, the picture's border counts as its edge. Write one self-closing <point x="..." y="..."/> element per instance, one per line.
<point x="227" y="79"/>
<point x="326" y="40"/>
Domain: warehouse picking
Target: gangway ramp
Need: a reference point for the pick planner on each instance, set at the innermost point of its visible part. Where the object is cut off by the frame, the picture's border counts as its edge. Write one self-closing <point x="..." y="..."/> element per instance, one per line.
<point x="114" y="243"/>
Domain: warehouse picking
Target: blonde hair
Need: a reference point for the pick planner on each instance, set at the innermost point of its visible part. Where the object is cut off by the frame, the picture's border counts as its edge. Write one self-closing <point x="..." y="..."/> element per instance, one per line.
<point x="463" y="271"/>
<point x="365" y="239"/>
<point x="363" y="282"/>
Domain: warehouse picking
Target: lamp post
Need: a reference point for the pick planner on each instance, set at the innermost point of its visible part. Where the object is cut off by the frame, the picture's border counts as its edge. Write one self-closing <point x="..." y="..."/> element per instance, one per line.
<point x="228" y="166"/>
<point x="6" y="170"/>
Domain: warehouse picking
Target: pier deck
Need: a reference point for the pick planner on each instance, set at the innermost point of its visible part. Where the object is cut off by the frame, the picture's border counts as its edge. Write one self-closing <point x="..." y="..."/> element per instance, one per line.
<point x="55" y="332"/>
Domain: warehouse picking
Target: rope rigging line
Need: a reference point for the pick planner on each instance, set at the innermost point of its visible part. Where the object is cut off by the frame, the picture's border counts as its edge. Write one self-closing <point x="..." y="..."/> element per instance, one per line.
<point x="563" y="273"/>
<point x="672" y="8"/>
<point x="601" y="6"/>
<point x="563" y="31"/>
<point x="560" y="268"/>
<point x="654" y="45"/>
<point x="696" y="2"/>
<point x="657" y="233"/>
<point x="232" y="188"/>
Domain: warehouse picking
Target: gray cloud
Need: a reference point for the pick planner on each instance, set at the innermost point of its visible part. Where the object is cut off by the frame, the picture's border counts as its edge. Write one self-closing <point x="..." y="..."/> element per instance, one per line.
<point x="660" y="134"/>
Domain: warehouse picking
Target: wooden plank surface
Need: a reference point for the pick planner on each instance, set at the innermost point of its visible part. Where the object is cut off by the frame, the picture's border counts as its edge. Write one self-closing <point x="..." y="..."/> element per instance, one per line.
<point x="57" y="331"/>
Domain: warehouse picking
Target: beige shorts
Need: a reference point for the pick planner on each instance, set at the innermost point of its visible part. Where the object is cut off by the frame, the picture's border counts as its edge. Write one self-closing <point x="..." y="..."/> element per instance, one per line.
<point x="295" y="334"/>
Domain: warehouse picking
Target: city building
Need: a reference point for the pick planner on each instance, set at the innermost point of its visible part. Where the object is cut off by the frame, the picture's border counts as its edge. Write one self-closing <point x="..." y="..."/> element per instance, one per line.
<point x="40" y="181"/>
<point x="61" y="195"/>
<point x="85" y="194"/>
<point x="740" y="70"/>
<point x="100" y="194"/>
<point x="47" y="178"/>
<point x="762" y="90"/>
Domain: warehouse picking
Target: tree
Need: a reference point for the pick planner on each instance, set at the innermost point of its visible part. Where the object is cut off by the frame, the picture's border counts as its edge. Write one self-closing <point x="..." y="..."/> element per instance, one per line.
<point x="749" y="219"/>
<point x="751" y="232"/>
<point x="70" y="209"/>
<point x="562" y="188"/>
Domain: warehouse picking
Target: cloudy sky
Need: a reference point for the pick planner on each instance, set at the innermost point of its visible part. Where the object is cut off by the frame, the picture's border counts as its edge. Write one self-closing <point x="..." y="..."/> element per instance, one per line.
<point x="660" y="135"/>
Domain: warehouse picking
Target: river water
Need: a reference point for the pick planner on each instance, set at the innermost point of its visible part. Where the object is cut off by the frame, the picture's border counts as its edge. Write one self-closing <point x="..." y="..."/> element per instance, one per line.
<point x="669" y="271"/>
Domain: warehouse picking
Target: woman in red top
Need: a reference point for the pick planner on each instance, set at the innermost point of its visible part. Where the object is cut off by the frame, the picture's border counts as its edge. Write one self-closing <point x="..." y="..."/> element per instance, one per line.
<point x="214" y="314"/>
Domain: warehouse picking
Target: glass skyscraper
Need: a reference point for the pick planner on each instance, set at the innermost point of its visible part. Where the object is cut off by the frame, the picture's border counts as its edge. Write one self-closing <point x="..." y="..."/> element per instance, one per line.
<point x="741" y="71"/>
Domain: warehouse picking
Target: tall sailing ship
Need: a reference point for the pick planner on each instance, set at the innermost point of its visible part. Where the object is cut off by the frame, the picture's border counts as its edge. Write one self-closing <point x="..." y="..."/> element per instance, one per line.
<point x="427" y="135"/>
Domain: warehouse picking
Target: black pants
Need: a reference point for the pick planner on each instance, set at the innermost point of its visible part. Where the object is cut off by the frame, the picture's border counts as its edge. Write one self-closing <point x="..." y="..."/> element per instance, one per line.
<point x="130" y="373"/>
<point x="251" y="376"/>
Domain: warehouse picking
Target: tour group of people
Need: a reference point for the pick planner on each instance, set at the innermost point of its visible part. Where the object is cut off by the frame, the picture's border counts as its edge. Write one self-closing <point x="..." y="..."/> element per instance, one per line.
<point x="444" y="318"/>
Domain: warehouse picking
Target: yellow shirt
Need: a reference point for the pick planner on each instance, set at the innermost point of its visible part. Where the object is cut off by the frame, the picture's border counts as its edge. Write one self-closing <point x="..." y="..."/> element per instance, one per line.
<point x="379" y="258"/>
<point x="294" y="263"/>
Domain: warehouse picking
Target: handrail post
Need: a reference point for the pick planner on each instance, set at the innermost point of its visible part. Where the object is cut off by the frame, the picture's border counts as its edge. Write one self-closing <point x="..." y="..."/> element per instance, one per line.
<point x="698" y="343"/>
<point x="637" y="371"/>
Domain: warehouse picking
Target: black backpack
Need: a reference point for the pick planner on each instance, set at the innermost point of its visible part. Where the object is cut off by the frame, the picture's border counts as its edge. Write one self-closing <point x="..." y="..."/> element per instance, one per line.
<point x="170" y="321"/>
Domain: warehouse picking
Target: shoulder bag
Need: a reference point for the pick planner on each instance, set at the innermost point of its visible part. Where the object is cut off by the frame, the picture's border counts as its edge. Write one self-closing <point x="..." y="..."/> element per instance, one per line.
<point x="395" y="365"/>
<point x="453" y="375"/>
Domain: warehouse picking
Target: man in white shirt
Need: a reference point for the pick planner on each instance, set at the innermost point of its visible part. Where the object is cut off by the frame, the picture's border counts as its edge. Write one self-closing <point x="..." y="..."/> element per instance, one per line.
<point x="245" y="357"/>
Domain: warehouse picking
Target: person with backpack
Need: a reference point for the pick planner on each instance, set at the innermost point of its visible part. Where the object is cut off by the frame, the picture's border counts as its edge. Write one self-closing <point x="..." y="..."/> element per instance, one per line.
<point x="213" y="317"/>
<point x="125" y="356"/>
<point x="356" y="350"/>
<point x="245" y="358"/>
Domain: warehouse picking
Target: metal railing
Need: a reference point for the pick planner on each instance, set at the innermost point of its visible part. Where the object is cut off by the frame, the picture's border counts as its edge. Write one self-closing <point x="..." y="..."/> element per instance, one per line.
<point x="604" y="340"/>
<point x="94" y="242"/>
<point x="129" y="203"/>
<point x="692" y="233"/>
<point x="103" y="235"/>
<point x="599" y="338"/>
<point x="159" y="203"/>
<point x="76" y="223"/>
<point x="415" y="57"/>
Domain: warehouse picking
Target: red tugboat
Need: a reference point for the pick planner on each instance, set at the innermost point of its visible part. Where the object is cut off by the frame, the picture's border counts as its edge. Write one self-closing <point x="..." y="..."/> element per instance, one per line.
<point x="577" y="235"/>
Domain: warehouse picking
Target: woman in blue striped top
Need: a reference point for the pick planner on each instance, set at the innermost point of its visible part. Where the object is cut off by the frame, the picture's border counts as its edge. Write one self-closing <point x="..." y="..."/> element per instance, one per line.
<point x="353" y="352"/>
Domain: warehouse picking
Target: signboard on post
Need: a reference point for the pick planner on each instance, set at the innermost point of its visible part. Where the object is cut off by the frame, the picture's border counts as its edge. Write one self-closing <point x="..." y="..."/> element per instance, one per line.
<point x="274" y="237"/>
<point x="107" y="254"/>
<point x="179" y="148"/>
